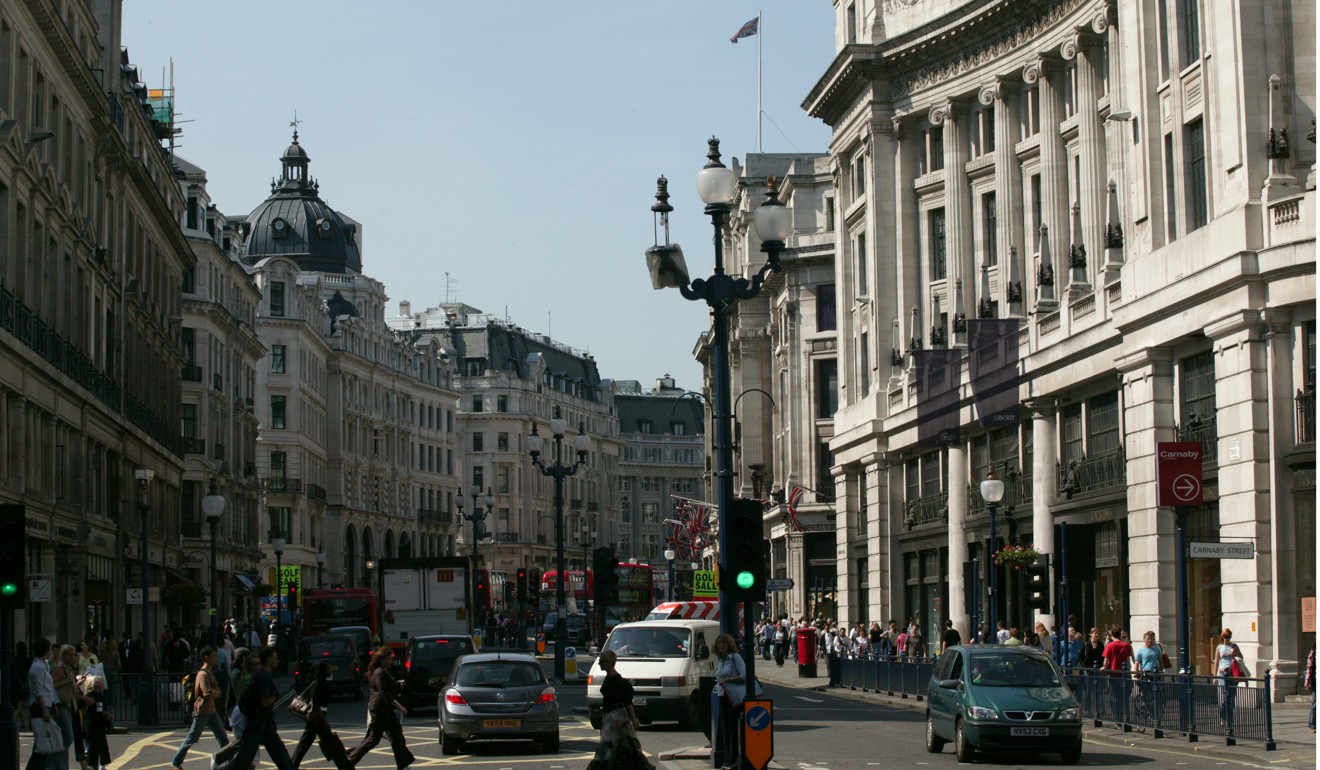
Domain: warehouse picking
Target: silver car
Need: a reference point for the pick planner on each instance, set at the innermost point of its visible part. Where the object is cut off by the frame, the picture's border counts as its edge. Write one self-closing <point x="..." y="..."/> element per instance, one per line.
<point x="498" y="696"/>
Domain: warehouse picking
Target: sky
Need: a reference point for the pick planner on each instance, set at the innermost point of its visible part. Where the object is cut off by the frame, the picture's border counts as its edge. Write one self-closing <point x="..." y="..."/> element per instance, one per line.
<point x="501" y="154"/>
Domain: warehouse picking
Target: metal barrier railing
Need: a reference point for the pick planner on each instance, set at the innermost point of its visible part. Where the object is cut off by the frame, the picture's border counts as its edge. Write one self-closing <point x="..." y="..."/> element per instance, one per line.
<point x="148" y="699"/>
<point x="1188" y="704"/>
<point x="904" y="677"/>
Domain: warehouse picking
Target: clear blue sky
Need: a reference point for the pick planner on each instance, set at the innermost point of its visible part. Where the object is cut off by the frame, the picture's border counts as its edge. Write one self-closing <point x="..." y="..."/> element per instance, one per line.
<point x="513" y="145"/>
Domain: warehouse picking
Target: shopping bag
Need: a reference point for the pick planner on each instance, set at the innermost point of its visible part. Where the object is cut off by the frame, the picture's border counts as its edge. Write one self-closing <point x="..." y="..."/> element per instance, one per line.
<point x="46" y="737"/>
<point x="224" y="755"/>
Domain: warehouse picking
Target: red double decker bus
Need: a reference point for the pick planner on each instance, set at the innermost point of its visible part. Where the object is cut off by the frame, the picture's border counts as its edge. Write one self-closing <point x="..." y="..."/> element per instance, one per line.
<point x="636" y="595"/>
<point x="577" y="590"/>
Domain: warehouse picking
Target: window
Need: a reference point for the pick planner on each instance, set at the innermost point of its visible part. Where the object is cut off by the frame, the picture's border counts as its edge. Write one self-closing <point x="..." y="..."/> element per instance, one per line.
<point x="650" y="513"/>
<point x="1162" y="22"/>
<point x="1035" y="210"/>
<point x="189" y="428"/>
<point x="930" y="474"/>
<point x="1072" y="433"/>
<point x="279" y="522"/>
<point x="277" y="299"/>
<point x="864" y="364"/>
<point x="1197" y="203"/>
<point x="863" y="283"/>
<point x="502" y="441"/>
<point x="501" y="403"/>
<point x="1170" y="190"/>
<point x="478" y="441"/>
<point x="478" y="477"/>
<point x="829" y="214"/>
<point x="1102" y="425"/>
<point x="191" y="222"/>
<point x="1198" y="389"/>
<point x="277" y="412"/>
<point x="477" y="405"/>
<point x="827" y="388"/>
<point x="989" y="229"/>
<point x="852" y="23"/>
<point x="650" y="484"/>
<point x="678" y="428"/>
<point x="644" y="426"/>
<point x="938" y="246"/>
<point x="277" y="355"/>
<point x="188" y="339"/>
<point x="935" y="148"/>
<point x="859" y="176"/>
<point x="502" y="479"/>
<point x="278" y="460"/>
<point x="1191" y="29"/>
<point x="826" y="314"/>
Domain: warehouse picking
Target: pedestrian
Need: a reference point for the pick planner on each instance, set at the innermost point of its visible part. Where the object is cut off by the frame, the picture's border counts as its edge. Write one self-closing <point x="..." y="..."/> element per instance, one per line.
<point x="1075" y="650"/>
<point x="731" y="683"/>
<point x="781" y="644"/>
<point x="245" y="667"/>
<point x="1046" y="639"/>
<point x="1308" y="682"/>
<point x="834" y="657"/>
<point x="44" y="704"/>
<point x="224" y="658"/>
<point x="381" y="709"/>
<point x="1118" y="658"/>
<point x="950" y="637"/>
<point x="1227" y="657"/>
<point x="1147" y="669"/>
<point x="619" y="747"/>
<point x="318" y="726"/>
<point x="916" y="643"/>
<point x="64" y="672"/>
<point x="97" y="724"/>
<point x="767" y="636"/>
<point x="87" y="655"/>
<point x="1014" y="638"/>
<point x="258" y="707"/>
<point x="1002" y="634"/>
<point x="109" y="652"/>
<point x="207" y="701"/>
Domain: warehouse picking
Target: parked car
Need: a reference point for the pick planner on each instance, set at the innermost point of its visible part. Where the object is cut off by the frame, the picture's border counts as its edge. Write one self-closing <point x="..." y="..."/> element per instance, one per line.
<point x="427" y="664"/>
<point x="340" y="651"/>
<point x="665" y="660"/>
<point x="498" y="696"/>
<point x="578" y="628"/>
<point x="1001" y="699"/>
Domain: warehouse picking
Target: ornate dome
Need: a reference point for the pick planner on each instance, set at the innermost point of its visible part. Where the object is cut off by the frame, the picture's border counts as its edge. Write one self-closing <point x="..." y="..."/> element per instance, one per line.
<point x="294" y="222"/>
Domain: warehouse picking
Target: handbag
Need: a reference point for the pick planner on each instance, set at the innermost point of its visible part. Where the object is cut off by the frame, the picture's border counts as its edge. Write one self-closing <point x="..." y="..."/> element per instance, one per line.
<point x="46" y="737"/>
<point x="225" y="754"/>
<point x="1165" y="663"/>
<point x="1239" y="669"/>
<point x="301" y="705"/>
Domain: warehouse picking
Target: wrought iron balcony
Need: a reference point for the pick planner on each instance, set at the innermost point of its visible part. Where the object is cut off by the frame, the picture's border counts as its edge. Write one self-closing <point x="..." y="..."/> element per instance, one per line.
<point x="1102" y="470"/>
<point x="192" y="374"/>
<point x="1204" y="431"/>
<point x="315" y="492"/>
<point x="506" y="537"/>
<point x="931" y="509"/>
<point x="825" y="490"/>
<point x="194" y="446"/>
<point x="217" y="381"/>
<point x="1306" y="416"/>
<point x="285" y="486"/>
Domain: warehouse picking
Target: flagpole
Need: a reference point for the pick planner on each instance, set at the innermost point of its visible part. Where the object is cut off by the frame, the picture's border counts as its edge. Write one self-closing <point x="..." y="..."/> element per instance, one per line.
<point x="760" y="33"/>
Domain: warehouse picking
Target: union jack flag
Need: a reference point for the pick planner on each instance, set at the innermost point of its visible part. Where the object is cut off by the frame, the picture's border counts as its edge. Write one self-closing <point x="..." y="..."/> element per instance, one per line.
<point x="746" y="30"/>
<point x="794" y="500"/>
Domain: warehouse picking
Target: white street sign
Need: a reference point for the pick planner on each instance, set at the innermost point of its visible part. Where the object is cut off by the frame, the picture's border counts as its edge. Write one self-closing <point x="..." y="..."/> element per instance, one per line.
<point x="39" y="590"/>
<point x="1221" y="550"/>
<point x="134" y="595"/>
<point x="779" y="584"/>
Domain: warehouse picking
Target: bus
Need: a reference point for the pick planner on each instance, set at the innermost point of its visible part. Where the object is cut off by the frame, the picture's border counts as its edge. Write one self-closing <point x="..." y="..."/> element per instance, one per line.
<point x="329" y="608"/>
<point x="636" y="595"/>
<point x="577" y="591"/>
<point x="493" y="588"/>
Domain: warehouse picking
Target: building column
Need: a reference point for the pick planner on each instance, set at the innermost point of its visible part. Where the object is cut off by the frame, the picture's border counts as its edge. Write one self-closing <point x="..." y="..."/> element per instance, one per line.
<point x="850" y="544"/>
<point x="1044" y="486"/>
<point x="1008" y="196"/>
<point x="1043" y="72"/>
<point x="1148" y="418"/>
<point x="1242" y="423"/>
<point x="1286" y="596"/>
<point x="797" y="569"/>
<point x="957" y="532"/>
<point x="953" y="114"/>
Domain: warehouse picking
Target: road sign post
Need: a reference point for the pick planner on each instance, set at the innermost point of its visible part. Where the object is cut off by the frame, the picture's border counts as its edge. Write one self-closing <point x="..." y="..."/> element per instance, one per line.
<point x="758" y="733"/>
<point x="1178" y="484"/>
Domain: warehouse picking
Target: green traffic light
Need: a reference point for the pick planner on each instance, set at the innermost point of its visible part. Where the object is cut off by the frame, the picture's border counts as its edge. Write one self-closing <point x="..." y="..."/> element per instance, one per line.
<point x="745" y="580"/>
<point x="8" y="589"/>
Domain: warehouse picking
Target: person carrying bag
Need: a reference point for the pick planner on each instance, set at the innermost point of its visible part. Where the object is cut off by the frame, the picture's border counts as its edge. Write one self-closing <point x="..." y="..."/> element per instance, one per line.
<point x="381" y="708"/>
<point x="317" y="696"/>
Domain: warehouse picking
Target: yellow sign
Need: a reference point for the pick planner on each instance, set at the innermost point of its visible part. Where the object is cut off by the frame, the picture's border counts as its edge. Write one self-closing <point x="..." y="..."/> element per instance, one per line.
<point x="705" y="584"/>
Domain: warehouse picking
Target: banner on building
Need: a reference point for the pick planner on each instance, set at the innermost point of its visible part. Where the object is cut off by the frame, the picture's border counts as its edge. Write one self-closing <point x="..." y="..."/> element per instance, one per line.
<point x="993" y="353"/>
<point x="937" y="375"/>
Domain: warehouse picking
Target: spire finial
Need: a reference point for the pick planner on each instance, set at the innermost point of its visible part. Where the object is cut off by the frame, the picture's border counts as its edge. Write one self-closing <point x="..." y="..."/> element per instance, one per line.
<point x="295" y="126"/>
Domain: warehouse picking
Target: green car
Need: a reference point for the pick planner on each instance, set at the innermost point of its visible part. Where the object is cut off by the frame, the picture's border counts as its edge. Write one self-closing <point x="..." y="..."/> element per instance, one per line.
<point x="1004" y="700"/>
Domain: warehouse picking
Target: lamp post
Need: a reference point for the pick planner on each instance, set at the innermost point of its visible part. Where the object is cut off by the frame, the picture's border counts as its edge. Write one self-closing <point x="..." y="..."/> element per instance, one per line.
<point x="213" y="506"/>
<point x="584" y="541"/>
<point x="558" y="470"/>
<point x="992" y="492"/>
<point x="320" y="568"/>
<point x="478" y="518"/>
<point x="669" y="557"/>
<point x="278" y="544"/>
<point x="370" y="566"/>
<point x="718" y="187"/>
<point x="147" y="709"/>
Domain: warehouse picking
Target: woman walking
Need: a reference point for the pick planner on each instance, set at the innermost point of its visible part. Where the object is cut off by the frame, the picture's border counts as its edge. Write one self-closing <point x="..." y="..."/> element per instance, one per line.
<point x="381" y="706"/>
<point x="731" y="686"/>
<point x="619" y="747"/>
<point x="1226" y="654"/>
<point x="65" y="673"/>
<point x="318" y="727"/>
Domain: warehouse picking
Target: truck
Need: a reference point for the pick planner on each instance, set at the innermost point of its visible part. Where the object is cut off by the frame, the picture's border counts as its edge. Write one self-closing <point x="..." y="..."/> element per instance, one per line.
<point x="424" y="595"/>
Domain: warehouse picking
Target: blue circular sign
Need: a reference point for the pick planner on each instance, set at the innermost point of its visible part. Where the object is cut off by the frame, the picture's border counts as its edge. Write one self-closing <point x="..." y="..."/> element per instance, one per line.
<point x="758" y="718"/>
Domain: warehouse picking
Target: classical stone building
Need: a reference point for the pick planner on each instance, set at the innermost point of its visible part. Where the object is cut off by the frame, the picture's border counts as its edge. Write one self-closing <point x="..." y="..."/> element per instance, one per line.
<point x="357" y="422"/>
<point x="91" y="259"/>
<point x="1133" y="184"/>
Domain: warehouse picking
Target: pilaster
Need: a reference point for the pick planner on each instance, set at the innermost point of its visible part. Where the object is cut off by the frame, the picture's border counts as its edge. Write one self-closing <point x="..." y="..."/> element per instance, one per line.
<point x="1044" y="483"/>
<point x="957" y="455"/>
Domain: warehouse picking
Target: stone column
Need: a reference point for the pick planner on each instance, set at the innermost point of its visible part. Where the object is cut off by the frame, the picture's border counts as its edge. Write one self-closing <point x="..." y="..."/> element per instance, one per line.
<point x="1148" y="418"/>
<point x="958" y="476"/>
<point x="1088" y="49"/>
<point x="1008" y="195"/>
<point x="797" y="569"/>
<point x="953" y="115"/>
<point x="906" y="229"/>
<point x="1283" y="524"/>
<point x="1044" y="486"/>
<point x="847" y="498"/>
<point x="1045" y="71"/>
<point x="1242" y="422"/>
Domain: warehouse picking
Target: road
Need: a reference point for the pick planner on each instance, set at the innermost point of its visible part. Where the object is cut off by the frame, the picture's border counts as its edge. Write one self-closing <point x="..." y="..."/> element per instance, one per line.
<point x="813" y="731"/>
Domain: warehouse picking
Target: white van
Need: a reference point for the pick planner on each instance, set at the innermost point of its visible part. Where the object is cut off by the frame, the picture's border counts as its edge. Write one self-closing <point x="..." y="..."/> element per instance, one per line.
<point x="664" y="660"/>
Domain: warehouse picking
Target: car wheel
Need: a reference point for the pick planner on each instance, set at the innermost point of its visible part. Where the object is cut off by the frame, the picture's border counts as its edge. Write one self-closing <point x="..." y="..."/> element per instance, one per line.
<point x="448" y="745"/>
<point x="961" y="745"/>
<point x="595" y="720"/>
<point x="551" y="745"/>
<point x="1074" y="755"/>
<point x="692" y="715"/>
<point x="934" y="743"/>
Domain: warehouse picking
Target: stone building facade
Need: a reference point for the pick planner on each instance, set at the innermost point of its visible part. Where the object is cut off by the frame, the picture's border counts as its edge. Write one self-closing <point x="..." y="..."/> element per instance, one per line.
<point x="1144" y="210"/>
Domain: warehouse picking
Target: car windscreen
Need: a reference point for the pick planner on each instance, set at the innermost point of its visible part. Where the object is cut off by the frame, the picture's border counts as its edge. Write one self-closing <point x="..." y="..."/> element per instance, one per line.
<point x="650" y="642"/>
<point x="1009" y="670"/>
<point x="500" y="673"/>
<point x="431" y="650"/>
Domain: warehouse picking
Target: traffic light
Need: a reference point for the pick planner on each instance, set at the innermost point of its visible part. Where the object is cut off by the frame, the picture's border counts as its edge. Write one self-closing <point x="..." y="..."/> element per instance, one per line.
<point x="743" y="573"/>
<point x="1038" y="584"/>
<point x="293" y="595"/>
<point x="522" y="587"/>
<point x="606" y="577"/>
<point x="13" y="553"/>
<point x="533" y="585"/>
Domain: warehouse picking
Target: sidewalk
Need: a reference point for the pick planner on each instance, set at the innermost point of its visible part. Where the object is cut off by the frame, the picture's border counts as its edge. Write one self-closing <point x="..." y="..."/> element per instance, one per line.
<point x="1296" y="744"/>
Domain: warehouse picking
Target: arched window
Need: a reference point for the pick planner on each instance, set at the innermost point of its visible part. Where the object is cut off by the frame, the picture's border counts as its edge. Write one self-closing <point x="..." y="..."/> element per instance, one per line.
<point x="350" y="556"/>
<point x="389" y="545"/>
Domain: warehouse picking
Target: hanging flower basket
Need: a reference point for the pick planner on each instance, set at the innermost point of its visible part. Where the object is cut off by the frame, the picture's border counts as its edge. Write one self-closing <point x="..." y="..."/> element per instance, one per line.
<point x="184" y="594"/>
<point x="1016" y="556"/>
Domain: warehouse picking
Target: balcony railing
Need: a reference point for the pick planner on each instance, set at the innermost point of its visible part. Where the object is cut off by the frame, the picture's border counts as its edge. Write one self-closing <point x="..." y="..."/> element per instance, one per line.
<point x="1017" y="490"/>
<point x="575" y="503"/>
<point x="931" y="509"/>
<point x="506" y="537"/>
<point x="825" y="490"/>
<point x="1305" y="416"/>
<point x="434" y="517"/>
<point x="1102" y="470"/>
<point x="194" y="446"/>
<point x="315" y="492"/>
<point x="283" y="486"/>
<point x="192" y="374"/>
<point x="1204" y="431"/>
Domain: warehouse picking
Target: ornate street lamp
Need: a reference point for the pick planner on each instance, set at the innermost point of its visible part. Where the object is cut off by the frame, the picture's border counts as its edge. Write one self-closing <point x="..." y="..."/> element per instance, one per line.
<point x="478" y="518"/>
<point x="992" y="492"/>
<point x="147" y="709"/>
<point x="213" y="507"/>
<point x="559" y="470"/>
<point x="669" y="557"/>
<point x="320" y="567"/>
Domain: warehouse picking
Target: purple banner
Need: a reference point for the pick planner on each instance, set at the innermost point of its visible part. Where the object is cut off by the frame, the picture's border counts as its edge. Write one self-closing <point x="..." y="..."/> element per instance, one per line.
<point x="992" y="351"/>
<point x="937" y="373"/>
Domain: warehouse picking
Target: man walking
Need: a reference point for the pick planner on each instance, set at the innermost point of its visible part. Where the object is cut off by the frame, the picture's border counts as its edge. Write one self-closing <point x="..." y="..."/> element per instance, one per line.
<point x="258" y="706"/>
<point x="206" y="697"/>
<point x="1117" y="657"/>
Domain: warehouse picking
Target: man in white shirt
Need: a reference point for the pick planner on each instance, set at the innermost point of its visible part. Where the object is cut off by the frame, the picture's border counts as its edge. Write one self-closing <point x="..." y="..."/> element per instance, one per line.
<point x="44" y="701"/>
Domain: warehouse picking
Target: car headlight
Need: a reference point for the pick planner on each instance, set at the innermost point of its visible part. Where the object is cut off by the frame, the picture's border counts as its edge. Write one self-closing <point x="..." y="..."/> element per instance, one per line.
<point x="1069" y="714"/>
<point x="673" y="681"/>
<point x="980" y="712"/>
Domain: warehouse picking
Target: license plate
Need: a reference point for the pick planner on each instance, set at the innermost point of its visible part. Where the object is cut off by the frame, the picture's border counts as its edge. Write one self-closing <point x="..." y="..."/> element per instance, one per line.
<point x="501" y="724"/>
<point x="639" y="701"/>
<point x="1030" y="732"/>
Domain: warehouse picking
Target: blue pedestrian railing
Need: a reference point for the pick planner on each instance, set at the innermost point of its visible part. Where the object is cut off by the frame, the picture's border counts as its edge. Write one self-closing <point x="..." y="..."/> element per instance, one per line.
<point x="1190" y="705"/>
<point x="904" y="677"/>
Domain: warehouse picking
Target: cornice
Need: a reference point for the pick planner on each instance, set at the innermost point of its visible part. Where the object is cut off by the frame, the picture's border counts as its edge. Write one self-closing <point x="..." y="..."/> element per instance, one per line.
<point x="852" y="70"/>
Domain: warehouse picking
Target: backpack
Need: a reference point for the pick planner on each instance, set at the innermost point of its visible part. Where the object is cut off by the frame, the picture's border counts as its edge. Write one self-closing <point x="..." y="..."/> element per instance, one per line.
<point x="190" y="687"/>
